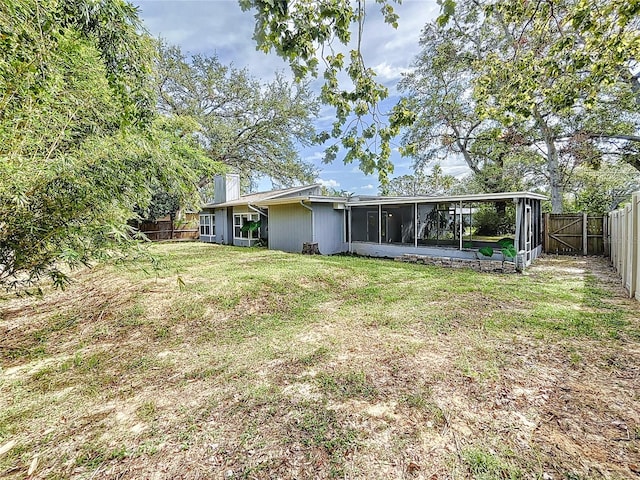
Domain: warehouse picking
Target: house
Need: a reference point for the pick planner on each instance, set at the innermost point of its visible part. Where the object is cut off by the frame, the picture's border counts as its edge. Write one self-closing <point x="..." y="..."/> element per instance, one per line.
<point x="445" y="226"/>
<point x="287" y="218"/>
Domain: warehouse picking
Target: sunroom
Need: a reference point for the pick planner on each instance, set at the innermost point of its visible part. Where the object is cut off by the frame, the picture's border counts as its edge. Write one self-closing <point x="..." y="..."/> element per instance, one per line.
<point x="502" y="226"/>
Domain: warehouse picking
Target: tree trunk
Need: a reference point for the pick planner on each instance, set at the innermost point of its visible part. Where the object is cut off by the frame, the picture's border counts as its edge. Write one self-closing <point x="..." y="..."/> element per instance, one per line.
<point x="553" y="167"/>
<point x="554" y="176"/>
<point x="171" y="219"/>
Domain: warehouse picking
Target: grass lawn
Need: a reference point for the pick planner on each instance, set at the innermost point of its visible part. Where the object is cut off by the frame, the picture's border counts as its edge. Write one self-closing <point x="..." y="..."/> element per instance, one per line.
<point x="249" y="363"/>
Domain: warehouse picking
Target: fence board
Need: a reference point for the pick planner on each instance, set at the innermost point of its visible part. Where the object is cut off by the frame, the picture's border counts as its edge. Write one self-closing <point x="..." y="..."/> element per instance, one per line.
<point x="574" y="234"/>
<point x="185" y="228"/>
<point x="624" y="228"/>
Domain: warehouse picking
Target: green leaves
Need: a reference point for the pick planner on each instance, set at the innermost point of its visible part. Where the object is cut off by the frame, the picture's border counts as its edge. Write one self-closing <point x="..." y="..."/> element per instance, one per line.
<point x="78" y="147"/>
<point x="519" y="90"/>
<point x="570" y="50"/>
<point x="507" y="248"/>
<point x="307" y="31"/>
<point x="508" y="251"/>
<point x="448" y="10"/>
<point x="251" y="226"/>
<point x="244" y="124"/>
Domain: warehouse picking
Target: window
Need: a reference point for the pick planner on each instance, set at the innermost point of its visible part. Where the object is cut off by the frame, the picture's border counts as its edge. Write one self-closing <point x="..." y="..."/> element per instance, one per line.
<point x="207" y="225"/>
<point x="244" y="226"/>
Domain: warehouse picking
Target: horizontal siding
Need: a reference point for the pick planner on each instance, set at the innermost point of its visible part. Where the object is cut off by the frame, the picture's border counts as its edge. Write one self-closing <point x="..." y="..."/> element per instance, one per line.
<point x="329" y="229"/>
<point x="289" y="227"/>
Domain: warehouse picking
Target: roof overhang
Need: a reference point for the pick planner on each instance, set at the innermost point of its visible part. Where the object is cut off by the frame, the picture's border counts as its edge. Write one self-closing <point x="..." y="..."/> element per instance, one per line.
<point x="301" y="198"/>
<point x="279" y="199"/>
<point x="233" y="203"/>
<point x="482" y="197"/>
<point x="259" y="198"/>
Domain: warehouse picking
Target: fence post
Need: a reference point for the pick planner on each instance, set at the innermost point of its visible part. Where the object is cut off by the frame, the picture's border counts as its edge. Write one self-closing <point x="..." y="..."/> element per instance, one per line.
<point x="585" y="235"/>
<point x="605" y="236"/>
<point x="546" y="232"/>
<point x="635" y="246"/>
<point x="612" y="237"/>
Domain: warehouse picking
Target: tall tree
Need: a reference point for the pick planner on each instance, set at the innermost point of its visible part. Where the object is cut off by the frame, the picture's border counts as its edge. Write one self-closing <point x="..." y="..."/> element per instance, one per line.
<point x="477" y="106"/>
<point x="534" y="77"/>
<point x="79" y="146"/>
<point x="313" y="33"/>
<point x="421" y="183"/>
<point x="439" y="91"/>
<point x="599" y="38"/>
<point x="251" y="127"/>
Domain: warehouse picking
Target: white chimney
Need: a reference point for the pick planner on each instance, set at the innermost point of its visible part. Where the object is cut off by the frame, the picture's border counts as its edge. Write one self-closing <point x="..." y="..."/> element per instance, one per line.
<point x="226" y="188"/>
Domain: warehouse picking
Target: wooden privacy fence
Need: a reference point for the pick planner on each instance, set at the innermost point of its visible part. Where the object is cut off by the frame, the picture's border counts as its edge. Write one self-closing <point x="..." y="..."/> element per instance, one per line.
<point x="625" y="248"/>
<point x="575" y="234"/>
<point x="162" y="229"/>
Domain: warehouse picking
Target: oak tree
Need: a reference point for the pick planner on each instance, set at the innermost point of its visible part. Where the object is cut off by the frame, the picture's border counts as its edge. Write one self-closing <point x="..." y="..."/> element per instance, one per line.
<point x="251" y="127"/>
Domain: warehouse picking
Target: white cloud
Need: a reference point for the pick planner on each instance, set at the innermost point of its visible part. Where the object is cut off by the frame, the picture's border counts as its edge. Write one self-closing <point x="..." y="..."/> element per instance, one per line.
<point x="212" y="28"/>
<point x="219" y="27"/>
<point x="328" y="183"/>
<point x="315" y="157"/>
<point x="386" y="72"/>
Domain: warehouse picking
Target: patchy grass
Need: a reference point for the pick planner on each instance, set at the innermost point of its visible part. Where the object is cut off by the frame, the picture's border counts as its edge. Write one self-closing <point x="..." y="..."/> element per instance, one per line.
<point x="248" y="363"/>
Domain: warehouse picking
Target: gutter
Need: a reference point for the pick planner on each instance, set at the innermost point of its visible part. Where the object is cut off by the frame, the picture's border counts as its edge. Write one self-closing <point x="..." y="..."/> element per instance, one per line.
<point x="257" y="210"/>
<point x="313" y="231"/>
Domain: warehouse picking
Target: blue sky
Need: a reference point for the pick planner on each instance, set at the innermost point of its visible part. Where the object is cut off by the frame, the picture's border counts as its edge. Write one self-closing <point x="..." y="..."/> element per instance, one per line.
<point x="220" y="27"/>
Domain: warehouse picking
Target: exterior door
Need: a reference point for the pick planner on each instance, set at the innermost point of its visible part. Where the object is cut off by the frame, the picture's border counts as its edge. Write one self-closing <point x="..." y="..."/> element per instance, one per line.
<point x="372" y="227"/>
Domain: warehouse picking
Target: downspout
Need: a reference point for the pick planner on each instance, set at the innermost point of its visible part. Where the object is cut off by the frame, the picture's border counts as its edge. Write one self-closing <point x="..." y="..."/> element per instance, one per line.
<point x="259" y="212"/>
<point x="313" y="230"/>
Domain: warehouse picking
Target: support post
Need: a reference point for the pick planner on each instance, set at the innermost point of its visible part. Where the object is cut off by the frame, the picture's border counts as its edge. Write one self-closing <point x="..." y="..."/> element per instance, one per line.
<point x="461" y="227"/>
<point x="519" y="218"/>
<point x="635" y="245"/>
<point x="350" y="235"/>
<point x="379" y="224"/>
<point x="415" y="225"/>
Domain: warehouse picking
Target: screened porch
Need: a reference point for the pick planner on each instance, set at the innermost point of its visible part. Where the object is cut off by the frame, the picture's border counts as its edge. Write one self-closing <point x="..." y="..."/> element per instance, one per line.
<point x="472" y="226"/>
